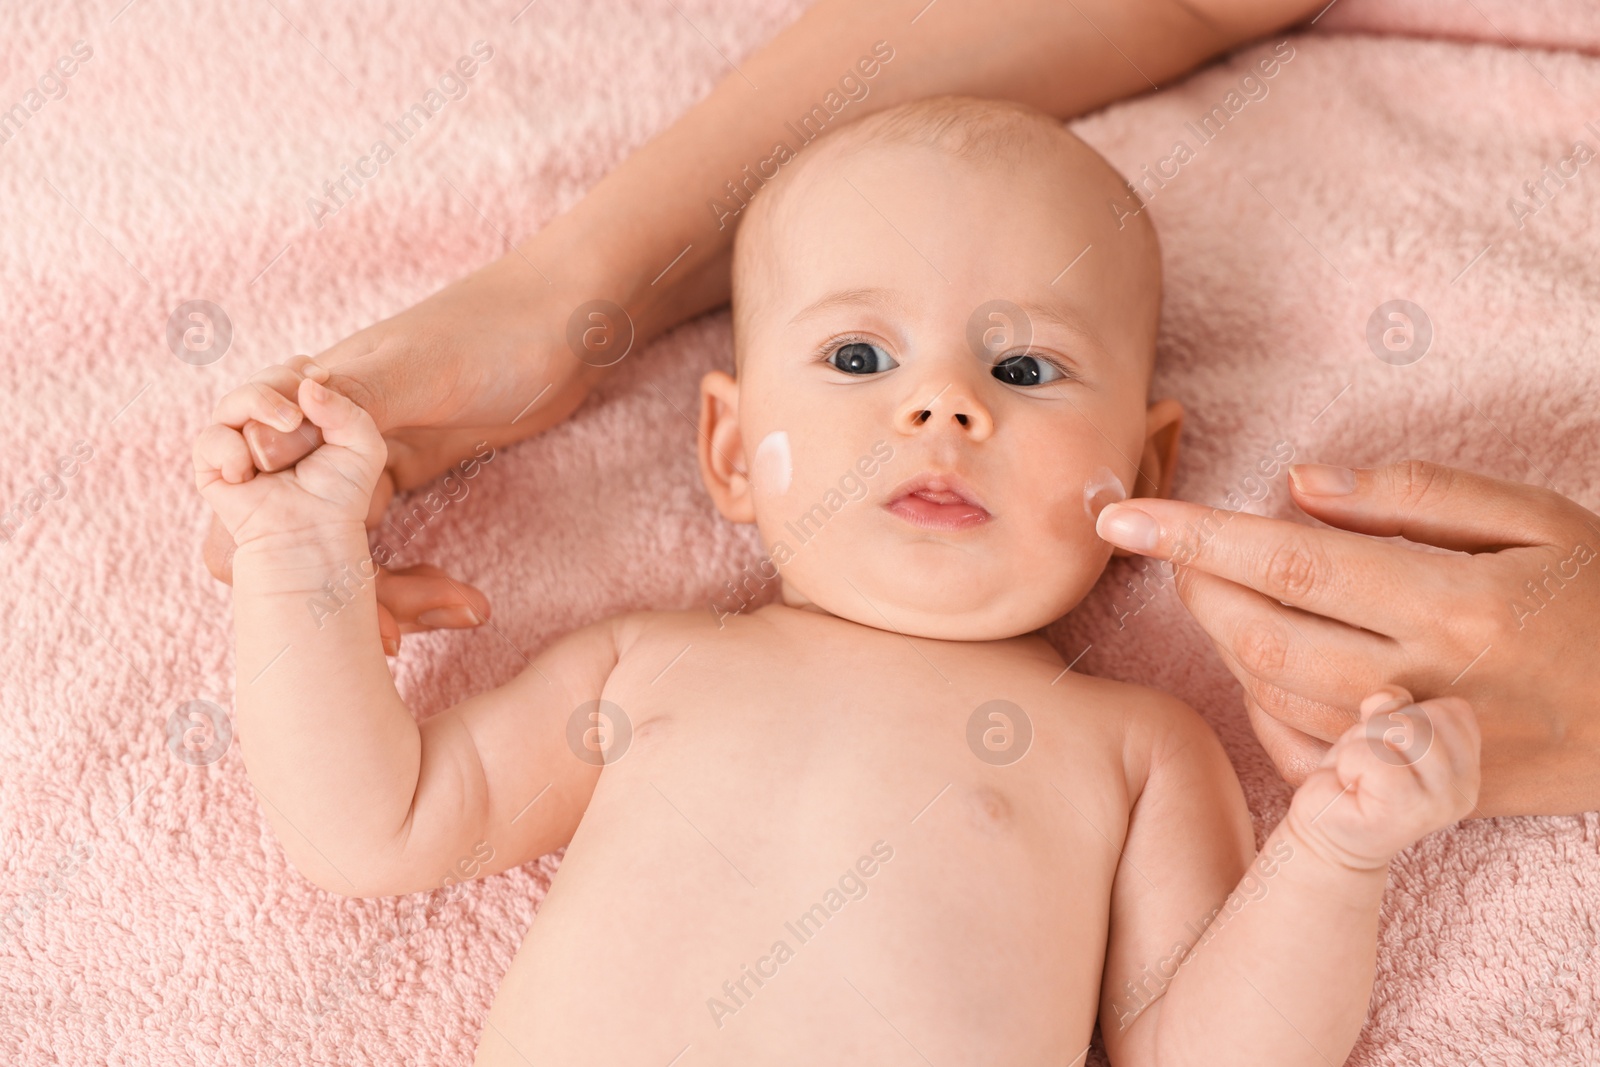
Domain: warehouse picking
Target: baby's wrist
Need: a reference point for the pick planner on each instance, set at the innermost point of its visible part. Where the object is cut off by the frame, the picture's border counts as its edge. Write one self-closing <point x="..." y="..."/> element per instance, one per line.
<point x="300" y="562"/>
<point x="1323" y="853"/>
<point x="1304" y="869"/>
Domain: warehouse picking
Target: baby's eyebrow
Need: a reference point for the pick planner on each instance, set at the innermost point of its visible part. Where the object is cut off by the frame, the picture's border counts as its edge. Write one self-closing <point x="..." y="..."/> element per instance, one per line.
<point x="890" y="299"/>
<point x="1070" y="321"/>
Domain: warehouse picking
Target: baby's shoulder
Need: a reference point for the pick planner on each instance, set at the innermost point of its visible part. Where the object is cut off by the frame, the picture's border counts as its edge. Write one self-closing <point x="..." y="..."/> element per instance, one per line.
<point x="1144" y="710"/>
<point x="643" y="630"/>
<point x="1155" y="728"/>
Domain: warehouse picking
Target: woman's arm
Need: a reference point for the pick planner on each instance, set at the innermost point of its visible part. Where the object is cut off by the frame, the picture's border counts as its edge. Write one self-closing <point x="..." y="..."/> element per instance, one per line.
<point x="1065" y="58"/>
<point x="649" y="237"/>
<point x="488" y="357"/>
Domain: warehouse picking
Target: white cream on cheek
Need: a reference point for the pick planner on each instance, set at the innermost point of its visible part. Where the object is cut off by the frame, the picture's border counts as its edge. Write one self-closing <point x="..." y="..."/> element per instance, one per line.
<point x="773" y="466"/>
<point x="1102" y="488"/>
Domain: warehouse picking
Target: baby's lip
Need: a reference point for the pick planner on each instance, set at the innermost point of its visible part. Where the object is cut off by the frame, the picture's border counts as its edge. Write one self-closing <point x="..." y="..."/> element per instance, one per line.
<point x="935" y="500"/>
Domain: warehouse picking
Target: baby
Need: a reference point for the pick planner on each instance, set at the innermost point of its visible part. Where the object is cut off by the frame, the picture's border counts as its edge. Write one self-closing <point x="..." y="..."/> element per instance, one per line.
<point x="877" y="820"/>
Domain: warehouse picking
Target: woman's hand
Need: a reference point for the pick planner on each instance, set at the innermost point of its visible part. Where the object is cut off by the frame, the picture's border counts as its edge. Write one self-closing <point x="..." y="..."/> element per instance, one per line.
<point x="484" y="360"/>
<point x="1311" y="620"/>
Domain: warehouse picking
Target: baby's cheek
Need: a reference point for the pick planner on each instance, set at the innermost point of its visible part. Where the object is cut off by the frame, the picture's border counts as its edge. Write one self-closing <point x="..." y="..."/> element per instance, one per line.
<point x="1076" y="553"/>
<point x="1072" y="505"/>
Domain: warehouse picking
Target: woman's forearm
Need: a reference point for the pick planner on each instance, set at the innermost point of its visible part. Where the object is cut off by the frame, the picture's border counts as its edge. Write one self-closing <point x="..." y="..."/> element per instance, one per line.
<point x="661" y="225"/>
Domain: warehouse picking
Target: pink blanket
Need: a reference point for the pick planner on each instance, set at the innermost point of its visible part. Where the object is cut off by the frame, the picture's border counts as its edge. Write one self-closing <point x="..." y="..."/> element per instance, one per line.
<point x="148" y="916"/>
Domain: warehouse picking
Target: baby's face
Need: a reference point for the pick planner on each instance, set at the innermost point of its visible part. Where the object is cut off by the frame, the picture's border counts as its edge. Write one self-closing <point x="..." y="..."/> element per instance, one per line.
<point x="920" y="457"/>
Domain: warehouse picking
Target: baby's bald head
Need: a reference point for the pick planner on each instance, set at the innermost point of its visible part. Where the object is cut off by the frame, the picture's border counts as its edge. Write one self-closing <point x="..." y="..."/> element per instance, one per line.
<point x="1028" y="155"/>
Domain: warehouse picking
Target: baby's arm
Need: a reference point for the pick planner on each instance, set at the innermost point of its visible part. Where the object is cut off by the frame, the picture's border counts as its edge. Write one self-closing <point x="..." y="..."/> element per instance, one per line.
<point x="1280" y="972"/>
<point x="363" y="801"/>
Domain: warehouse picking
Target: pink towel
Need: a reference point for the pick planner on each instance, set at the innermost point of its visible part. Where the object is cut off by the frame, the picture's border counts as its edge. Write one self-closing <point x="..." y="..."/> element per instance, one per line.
<point x="148" y="916"/>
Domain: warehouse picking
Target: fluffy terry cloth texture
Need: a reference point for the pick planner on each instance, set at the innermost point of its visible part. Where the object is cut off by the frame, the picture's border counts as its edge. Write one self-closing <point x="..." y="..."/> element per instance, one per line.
<point x="147" y="915"/>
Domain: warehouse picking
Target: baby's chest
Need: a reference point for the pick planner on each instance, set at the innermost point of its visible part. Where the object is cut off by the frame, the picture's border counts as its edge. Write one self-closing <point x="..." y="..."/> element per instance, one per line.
<point x="821" y="752"/>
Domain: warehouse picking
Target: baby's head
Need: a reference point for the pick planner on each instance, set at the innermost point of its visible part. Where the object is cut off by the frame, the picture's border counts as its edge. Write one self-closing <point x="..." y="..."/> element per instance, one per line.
<point x="938" y="296"/>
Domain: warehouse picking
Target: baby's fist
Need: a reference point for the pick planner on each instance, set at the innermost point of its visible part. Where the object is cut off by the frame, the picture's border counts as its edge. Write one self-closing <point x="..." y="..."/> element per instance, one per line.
<point x="1402" y="772"/>
<point x="332" y="486"/>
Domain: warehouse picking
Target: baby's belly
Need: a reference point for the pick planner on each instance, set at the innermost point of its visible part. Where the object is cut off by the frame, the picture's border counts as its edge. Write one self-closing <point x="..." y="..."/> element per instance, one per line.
<point x="835" y="900"/>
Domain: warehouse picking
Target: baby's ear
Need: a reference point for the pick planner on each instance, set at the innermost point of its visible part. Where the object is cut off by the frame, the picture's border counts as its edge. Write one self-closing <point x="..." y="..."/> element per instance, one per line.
<point x="722" y="462"/>
<point x="1162" y="423"/>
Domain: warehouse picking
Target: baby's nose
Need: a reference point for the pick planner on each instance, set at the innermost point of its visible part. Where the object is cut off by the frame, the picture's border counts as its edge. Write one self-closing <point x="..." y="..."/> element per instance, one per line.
<point x="953" y="405"/>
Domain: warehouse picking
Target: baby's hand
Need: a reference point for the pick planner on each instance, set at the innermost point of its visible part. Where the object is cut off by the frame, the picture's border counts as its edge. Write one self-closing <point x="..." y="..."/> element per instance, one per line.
<point x="331" y="487"/>
<point x="1403" y="771"/>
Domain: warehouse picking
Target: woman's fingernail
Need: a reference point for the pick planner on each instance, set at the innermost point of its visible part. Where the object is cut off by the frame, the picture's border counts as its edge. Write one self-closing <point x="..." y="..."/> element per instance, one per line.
<point x="455" y="617"/>
<point x="316" y="372"/>
<point x="1128" y="527"/>
<point x="391" y="646"/>
<point x="1382" y="696"/>
<point x="1320" y="479"/>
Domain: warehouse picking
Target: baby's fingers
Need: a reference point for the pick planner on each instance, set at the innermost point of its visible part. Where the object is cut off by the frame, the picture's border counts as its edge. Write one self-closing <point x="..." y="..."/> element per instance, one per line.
<point x="268" y="397"/>
<point x="1374" y="760"/>
<point x="1450" y="771"/>
<point x="342" y="421"/>
<point x="1427" y="749"/>
<point x="220" y="451"/>
<point x="264" y="409"/>
<point x="354" y="447"/>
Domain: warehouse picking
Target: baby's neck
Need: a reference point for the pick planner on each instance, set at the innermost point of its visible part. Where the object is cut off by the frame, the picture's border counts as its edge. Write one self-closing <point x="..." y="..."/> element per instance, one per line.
<point x="790" y="599"/>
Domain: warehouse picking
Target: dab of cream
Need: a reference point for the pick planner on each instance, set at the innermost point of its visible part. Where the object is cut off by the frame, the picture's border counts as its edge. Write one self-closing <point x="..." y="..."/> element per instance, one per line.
<point x="1102" y="488"/>
<point x="773" y="466"/>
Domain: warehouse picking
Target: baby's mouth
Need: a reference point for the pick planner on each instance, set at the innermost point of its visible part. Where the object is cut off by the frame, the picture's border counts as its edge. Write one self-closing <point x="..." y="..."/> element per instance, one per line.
<point x="937" y="503"/>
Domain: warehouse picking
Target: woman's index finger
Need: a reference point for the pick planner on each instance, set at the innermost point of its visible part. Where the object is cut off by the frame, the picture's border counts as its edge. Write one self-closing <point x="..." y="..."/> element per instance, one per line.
<point x="1339" y="575"/>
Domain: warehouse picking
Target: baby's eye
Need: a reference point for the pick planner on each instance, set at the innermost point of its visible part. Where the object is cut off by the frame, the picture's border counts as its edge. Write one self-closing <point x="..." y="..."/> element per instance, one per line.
<point x="1027" y="370"/>
<point x="861" y="357"/>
